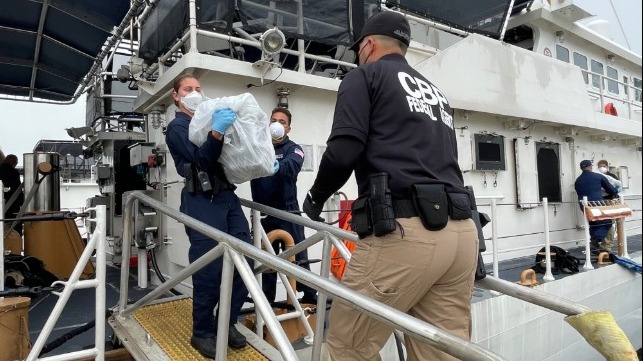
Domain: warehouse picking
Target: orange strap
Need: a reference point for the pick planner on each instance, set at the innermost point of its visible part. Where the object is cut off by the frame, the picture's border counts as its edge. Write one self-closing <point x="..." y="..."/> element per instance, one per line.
<point x="337" y="263"/>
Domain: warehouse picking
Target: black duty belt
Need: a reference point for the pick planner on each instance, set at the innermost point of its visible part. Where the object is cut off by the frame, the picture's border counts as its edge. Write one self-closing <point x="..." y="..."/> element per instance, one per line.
<point x="404" y="208"/>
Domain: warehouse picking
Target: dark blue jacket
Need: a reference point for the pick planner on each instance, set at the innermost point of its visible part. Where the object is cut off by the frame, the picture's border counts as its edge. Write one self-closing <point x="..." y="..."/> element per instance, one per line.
<point x="280" y="190"/>
<point x="11" y="179"/>
<point x="591" y="184"/>
<point x="183" y="151"/>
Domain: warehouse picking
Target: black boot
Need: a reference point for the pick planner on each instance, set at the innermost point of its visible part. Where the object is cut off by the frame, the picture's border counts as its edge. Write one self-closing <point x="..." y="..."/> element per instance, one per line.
<point x="236" y="339"/>
<point x="207" y="346"/>
<point x="309" y="298"/>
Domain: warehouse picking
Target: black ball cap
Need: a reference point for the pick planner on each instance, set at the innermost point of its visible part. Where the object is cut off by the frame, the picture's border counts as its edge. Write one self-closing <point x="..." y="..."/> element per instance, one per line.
<point x="388" y="23"/>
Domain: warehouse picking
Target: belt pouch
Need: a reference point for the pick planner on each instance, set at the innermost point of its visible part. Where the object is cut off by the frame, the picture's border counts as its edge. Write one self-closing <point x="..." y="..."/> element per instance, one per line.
<point x="189" y="178"/>
<point x="361" y="218"/>
<point x="431" y="203"/>
<point x="459" y="206"/>
<point x="481" y="272"/>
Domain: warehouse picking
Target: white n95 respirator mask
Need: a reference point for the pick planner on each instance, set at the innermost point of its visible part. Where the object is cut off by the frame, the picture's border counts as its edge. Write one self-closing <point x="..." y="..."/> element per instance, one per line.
<point x="602" y="170"/>
<point x="192" y="100"/>
<point x="277" y="131"/>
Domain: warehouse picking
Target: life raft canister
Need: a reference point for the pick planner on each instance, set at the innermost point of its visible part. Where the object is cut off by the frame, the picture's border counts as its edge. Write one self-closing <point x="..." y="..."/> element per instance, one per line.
<point x="610" y="109"/>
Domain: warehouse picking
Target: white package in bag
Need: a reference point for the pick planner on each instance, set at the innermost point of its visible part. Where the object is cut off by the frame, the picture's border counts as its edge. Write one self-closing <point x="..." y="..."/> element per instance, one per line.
<point x="247" y="151"/>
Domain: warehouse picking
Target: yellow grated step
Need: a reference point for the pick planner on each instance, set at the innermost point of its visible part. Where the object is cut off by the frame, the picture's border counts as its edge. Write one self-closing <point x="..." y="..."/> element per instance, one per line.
<point x="170" y="325"/>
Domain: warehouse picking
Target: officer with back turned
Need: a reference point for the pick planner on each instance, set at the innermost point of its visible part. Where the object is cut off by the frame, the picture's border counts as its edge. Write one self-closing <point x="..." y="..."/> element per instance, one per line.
<point x="418" y="244"/>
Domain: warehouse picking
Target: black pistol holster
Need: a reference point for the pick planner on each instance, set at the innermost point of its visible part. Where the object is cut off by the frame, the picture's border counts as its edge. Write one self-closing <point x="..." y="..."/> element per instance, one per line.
<point x="189" y="178"/>
<point x="373" y="214"/>
<point x="381" y="205"/>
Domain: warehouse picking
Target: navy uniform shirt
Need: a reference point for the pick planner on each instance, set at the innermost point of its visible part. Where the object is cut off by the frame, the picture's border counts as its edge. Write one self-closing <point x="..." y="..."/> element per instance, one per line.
<point x="280" y="190"/>
<point x="183" y="151"/>
<point x="404" y="122"/>
<point x="591" y="184"/>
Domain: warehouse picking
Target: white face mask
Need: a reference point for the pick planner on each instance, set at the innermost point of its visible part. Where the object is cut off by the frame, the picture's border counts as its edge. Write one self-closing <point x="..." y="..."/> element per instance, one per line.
<point x="602" y="169"/>
<point x="192" y="100"/>
<point x="277" y="131"/>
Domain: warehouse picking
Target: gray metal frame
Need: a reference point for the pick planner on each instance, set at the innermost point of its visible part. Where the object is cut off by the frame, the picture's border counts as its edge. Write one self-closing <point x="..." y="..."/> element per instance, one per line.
<point x="232" y="249"/>
<point x="98" y="242"/>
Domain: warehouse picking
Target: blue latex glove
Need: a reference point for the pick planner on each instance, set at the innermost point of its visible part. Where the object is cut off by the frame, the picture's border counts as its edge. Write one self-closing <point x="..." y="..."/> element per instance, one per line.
<point x="276" y="167"/>
<point x="222" y="119"/>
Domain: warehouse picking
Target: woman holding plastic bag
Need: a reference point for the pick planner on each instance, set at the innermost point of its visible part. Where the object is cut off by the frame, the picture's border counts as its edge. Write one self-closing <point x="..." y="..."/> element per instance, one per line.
<point x="248" y="152"/>
<point x="209" y="197"/>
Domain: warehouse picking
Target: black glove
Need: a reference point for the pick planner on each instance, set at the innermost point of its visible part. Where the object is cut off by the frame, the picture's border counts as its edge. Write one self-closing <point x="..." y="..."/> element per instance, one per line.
<point x="312" y="209"/>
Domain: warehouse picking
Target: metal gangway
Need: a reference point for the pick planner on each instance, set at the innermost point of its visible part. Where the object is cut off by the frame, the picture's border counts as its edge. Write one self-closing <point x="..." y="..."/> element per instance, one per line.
<point x="143" y="347"/>
<point x="234" y="252"/>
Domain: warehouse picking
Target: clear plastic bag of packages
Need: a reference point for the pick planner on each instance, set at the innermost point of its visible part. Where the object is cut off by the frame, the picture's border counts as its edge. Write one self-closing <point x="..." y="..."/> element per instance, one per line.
<point x="247" y="151"/>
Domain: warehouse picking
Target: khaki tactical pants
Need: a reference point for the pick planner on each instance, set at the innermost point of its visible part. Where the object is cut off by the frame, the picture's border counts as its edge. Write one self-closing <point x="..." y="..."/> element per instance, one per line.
<point x="608" y="241"/>
<point x="428" y="275"/>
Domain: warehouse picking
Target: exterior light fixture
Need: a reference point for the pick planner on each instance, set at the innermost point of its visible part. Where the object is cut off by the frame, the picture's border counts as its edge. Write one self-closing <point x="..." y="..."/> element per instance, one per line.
<point x="561" y="36"/>
<point x="282" y="94"/>
<point x="272" y="41"/>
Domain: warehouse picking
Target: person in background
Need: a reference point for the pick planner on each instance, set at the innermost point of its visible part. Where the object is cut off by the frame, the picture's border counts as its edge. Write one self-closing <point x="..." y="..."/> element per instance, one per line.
<point x="608" y="241"/>
<point x="591" y="185"/>
<point x="603" y="167"/>
<point x="215" y="204"/>
<point x="395" y="130"/>
<point x="11" y="182"/>
<point x="280" y="191"/>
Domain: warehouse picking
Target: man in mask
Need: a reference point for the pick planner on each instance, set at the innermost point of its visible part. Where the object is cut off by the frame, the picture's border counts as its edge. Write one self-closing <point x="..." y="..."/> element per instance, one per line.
<point x="608" y="241"/>
<point x="280" y="191"/>
<point x="603" y="167"/>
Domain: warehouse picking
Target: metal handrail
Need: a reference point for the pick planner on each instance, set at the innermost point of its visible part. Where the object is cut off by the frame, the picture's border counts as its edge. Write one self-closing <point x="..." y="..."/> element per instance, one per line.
<point x="232" y="248"/>
<point x="603" y="92"/>
<point x="97" y="242"/>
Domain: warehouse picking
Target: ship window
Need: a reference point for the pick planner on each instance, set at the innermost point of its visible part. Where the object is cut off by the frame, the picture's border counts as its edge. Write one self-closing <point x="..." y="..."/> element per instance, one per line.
<point x="624" y="176"/>
<point x="612" y="85"/>
<point x="548" y="163"/>
<point x="637" y="89"/>
<point x="308" y="158"/>
<point x="597" y="67"/>
<point x="580" y="61"/>
<point x="562" y="53"/>
<point x="490" y="152"/>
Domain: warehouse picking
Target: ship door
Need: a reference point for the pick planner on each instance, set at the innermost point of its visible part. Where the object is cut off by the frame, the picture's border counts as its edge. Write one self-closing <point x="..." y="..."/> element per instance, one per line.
<point x="548" y="168"/>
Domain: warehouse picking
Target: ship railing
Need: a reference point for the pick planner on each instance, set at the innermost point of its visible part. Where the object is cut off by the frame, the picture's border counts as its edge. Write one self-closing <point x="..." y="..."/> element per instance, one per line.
<point x="191" y="34"/>
<point x="495" y="237"/>
<point x="234" y="251"/>
<point x="334" y="234"/>
<point x="97" y="243"/>
<point x="632" y="99"/>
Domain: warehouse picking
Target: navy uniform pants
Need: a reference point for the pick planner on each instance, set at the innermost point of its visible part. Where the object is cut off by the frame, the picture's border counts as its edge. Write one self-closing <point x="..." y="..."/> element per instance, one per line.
<point x="269" y="280"/>
<point x="223" y="212"/>
<point x="598" y="230"/>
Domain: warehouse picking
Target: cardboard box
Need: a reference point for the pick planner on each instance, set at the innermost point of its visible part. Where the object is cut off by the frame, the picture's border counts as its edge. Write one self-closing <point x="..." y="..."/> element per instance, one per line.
<point x="14" y="328"/>
<point x="293" y="328"/>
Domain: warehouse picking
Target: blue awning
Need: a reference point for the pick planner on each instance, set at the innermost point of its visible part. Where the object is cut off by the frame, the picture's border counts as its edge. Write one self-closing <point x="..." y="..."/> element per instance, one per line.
<point x="47" y="47"/>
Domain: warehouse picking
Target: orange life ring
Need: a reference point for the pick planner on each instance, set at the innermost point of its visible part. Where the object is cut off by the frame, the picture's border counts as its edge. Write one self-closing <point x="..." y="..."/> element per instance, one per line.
<point x="610" y="109"/>
<point x="289" y="242"/>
